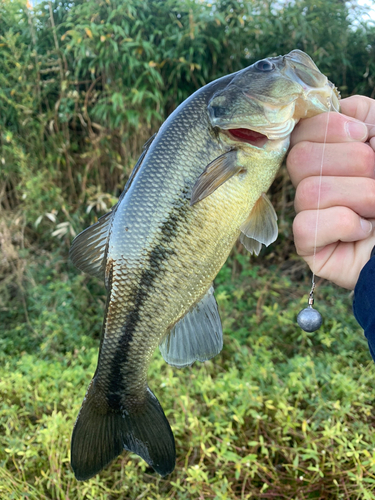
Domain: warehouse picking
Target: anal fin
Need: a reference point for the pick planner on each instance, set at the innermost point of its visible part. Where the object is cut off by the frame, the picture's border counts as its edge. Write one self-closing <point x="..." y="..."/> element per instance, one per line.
<point x="198" y="336"/>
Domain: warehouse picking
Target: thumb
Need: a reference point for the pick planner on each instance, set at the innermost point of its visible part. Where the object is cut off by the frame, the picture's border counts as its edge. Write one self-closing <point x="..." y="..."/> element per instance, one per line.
<point x="361" y="108"/>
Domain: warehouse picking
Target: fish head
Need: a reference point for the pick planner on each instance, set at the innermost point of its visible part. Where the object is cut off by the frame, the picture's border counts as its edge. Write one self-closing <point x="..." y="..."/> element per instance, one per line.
<point x="265" y="101"/>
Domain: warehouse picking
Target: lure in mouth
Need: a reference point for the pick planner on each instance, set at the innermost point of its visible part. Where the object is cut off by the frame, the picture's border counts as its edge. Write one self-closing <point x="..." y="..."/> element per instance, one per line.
<point x="248" y="136"/>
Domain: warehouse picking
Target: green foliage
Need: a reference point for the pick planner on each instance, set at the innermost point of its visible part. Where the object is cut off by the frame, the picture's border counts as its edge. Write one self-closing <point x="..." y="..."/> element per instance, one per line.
<point x="84" y="84"/>
<point x="279" y="414"/>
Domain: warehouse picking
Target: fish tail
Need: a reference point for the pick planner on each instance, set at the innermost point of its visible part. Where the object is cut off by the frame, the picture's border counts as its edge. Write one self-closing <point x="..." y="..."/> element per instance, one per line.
<point x="99" y="436"/>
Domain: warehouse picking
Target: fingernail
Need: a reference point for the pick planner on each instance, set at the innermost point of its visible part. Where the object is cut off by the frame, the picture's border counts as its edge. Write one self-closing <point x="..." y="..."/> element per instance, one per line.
<point x="366" y="225"/>
<point x="356" y="130"/>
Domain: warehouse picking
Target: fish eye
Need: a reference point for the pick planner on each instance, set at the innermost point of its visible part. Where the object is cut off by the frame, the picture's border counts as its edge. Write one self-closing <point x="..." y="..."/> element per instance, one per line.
<point x="264" y="65"/>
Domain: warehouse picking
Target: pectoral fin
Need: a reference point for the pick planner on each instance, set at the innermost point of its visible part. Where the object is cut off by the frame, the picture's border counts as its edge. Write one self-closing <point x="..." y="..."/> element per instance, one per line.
<point x="215" y="174"/>
<point x="198" y="336"/>
<point x="260" y="227"/>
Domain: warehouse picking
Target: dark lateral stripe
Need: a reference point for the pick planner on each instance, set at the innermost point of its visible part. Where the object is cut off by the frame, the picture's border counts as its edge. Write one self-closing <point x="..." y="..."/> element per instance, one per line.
<point x="158" y="256"/>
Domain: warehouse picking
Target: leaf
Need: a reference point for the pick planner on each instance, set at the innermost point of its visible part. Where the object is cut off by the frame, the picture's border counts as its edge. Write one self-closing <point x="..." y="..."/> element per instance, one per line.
<point x="51" y="216"/>
<point x="38" y="221"/>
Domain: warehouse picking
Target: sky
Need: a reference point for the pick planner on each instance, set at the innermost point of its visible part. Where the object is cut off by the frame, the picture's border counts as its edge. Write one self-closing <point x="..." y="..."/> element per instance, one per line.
<point x="368" y="3"/>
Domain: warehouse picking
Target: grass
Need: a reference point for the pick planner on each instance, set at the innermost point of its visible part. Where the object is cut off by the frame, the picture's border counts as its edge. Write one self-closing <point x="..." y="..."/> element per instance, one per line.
<point x="279" y="414"/>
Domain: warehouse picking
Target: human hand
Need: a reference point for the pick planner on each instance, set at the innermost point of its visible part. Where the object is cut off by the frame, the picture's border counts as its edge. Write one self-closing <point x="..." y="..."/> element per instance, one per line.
<point x="344" y="225"/>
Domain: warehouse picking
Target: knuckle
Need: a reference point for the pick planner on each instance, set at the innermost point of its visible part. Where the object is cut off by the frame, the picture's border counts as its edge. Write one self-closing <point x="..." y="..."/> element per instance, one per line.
<point x="299" y="155"/>
<point x="348" y="219"/>
<point x="301" y="234"/>
<point x="369" y="193"/>
<point x="306" y="193"/>
<point x="366" y="157"/>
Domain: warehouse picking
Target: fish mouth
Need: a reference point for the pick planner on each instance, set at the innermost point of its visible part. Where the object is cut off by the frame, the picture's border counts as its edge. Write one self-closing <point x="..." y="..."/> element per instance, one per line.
<point x="247" y="136"/>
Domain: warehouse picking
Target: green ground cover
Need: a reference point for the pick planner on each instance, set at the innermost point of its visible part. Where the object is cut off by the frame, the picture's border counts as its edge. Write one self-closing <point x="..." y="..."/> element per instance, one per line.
<point x="278" y="414"/>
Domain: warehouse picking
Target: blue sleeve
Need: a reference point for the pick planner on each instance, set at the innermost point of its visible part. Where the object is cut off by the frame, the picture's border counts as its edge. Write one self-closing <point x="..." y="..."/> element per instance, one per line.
<point x="364" y="302"/>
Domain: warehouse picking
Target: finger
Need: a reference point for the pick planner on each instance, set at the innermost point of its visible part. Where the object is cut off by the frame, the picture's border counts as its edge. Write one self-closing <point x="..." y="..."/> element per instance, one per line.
<point x="341" y="262"/>
<point x="354" y="159"/>
<point x="337" y="191"/>
<point x="361" y="108"/>
<point x="323" y="226"/>
<point x="328" y="128"/>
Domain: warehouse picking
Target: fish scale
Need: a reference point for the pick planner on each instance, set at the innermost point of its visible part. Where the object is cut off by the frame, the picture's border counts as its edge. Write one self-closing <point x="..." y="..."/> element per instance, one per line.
<point x="195" y="189"/>
<point x="177" y="256"/>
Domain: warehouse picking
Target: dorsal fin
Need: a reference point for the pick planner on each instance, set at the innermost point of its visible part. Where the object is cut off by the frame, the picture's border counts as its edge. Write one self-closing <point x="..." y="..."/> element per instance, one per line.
<point x="198" y="336"/>
<point x="145" y="148"/>
<point x="89" y="248"/>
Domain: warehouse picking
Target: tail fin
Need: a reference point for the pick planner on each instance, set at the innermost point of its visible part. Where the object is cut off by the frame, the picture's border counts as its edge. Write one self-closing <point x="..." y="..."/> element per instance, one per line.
<point x="100" y="436"/>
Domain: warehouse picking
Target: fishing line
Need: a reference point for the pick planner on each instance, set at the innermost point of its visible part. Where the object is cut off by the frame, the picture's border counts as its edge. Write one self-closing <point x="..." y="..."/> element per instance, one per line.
<point x="319" y="192"/>
<point x="309" y="319"/>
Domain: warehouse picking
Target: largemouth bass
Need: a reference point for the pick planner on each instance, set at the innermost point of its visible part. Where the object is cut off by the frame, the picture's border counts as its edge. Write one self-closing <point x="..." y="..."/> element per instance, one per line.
<point x="198" y="186"/>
